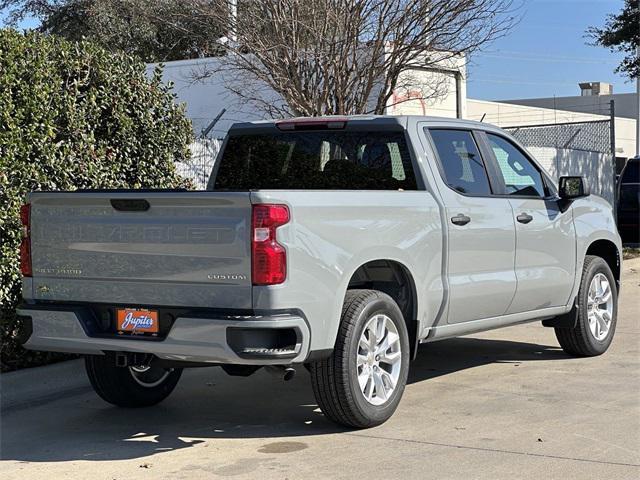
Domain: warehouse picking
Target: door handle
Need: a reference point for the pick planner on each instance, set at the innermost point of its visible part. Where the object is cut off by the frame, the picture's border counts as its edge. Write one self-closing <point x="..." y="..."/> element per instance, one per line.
<point x="524" y="218"/>
<point x="460" y="219"/>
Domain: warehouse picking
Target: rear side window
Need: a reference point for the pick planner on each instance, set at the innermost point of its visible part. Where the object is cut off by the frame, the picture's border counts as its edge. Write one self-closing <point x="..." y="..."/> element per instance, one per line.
<point x="344" y="160"/>
<point x="461" y="161"/>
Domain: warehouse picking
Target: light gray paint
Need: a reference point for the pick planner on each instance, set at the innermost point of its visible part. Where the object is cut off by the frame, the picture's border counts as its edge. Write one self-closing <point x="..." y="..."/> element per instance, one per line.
<point x="491" y="273"/>
<point x="190" y="249"/>
<point x="190" y="339"/>
<point x="480" y="274"/>
<point x="326" y="243"/>
<point x="545" y="256"/>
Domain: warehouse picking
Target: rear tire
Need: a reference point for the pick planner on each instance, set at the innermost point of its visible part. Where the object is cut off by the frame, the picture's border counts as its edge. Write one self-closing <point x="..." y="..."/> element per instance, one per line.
<point x="597" y="305"/>
<point x="130" y="387"/>
<point x="361" y="383"/>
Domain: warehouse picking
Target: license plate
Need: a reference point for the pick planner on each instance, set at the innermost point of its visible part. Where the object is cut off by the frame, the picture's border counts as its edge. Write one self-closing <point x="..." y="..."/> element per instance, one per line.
<point x="137" y="321"/>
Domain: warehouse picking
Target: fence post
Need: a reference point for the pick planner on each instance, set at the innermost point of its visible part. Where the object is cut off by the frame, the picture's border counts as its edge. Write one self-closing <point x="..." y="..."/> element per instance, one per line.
<point x="612" y="128"/>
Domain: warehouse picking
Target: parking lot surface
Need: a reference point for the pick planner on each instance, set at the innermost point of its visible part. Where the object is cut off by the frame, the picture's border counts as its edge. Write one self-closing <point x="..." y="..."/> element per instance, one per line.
<point x="503" y="404"/>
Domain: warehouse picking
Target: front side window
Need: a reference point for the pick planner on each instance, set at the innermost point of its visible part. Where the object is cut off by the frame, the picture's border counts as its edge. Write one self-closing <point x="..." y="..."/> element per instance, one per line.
<point x="520" y="176"/>
<point x="461" y="162"/>
<point x="349" y="160"/>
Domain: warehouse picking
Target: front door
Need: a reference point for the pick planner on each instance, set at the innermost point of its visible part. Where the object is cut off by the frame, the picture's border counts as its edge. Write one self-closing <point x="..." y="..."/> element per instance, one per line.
<point x="545" y="236"/>
<point x="480" y="227"/>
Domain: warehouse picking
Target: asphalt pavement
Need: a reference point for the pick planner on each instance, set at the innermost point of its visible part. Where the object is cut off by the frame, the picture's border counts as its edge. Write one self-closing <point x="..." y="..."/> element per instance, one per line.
<point x="507" y="404"/>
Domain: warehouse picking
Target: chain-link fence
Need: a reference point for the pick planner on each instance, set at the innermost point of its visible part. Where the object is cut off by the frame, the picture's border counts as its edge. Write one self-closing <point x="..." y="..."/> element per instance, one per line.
<point x="203" y="155"/>
<point x="591" y="136"/>
<point x="576" y="148"/>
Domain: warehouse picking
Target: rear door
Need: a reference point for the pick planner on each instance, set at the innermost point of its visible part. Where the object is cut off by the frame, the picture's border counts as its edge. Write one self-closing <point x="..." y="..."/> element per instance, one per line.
<point x="545" y="236"/>
<point x="188" y="249"/>
<point x="481" y="231"/>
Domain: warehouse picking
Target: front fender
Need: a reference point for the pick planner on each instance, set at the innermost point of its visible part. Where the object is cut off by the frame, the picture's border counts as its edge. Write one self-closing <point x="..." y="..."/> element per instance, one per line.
<point x="593" y="220"/>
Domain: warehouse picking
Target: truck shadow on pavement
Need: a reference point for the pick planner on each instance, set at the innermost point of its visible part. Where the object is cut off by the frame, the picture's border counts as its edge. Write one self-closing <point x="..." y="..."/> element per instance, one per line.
<point x="208" y="405"/>
<point x="449" y="356"/>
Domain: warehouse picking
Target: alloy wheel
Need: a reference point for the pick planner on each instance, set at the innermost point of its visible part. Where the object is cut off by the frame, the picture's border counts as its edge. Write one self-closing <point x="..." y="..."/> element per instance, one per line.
<point x="379" y="359"/>
<point x="599" y="306"/>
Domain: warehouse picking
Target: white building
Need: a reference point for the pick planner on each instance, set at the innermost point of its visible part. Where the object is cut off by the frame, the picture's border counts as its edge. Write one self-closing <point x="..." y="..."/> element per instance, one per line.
<point x="593" y="103"/>
<point x="200" y="84"/>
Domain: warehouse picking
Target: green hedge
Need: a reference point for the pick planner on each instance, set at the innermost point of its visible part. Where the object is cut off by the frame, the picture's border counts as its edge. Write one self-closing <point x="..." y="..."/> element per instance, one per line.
<point x="75" y="116"/>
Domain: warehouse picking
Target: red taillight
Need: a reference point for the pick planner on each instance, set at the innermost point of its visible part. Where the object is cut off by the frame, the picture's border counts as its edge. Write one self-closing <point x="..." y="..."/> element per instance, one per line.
<point x="25" y="244"/>
<point x="268" y="257"/>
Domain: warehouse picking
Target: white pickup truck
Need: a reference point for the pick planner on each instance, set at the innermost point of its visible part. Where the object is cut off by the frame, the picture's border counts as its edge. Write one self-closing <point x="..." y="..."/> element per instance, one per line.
<point x="335" y="243"/>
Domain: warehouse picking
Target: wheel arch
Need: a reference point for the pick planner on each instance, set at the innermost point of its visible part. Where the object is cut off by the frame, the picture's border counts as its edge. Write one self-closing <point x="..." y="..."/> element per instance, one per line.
<point x="396" y="280"/>
<point x="608" y="251"/>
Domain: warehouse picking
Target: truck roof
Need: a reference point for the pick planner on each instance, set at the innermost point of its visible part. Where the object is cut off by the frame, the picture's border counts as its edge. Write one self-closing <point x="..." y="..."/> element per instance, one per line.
<point x="372" y="120"/>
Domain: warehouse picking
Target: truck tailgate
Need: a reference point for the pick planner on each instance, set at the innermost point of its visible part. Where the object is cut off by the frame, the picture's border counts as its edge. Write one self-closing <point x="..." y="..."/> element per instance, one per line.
<point x="172" y="248"/>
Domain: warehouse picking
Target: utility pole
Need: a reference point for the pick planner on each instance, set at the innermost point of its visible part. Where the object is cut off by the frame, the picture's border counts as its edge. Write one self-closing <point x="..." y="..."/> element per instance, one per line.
<point x="612" y="131"/>
<point x="638" y="106"/>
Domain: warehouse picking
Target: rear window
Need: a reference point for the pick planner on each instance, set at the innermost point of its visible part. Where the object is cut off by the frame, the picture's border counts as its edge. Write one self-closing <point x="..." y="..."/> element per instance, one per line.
<point x="344" y="160"/>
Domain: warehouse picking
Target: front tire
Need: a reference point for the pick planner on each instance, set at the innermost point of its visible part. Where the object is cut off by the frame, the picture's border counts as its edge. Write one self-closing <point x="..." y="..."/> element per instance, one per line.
<point x="597" y="305"/>
<point x="130" y="387"/>
<point x="361" y="383"/>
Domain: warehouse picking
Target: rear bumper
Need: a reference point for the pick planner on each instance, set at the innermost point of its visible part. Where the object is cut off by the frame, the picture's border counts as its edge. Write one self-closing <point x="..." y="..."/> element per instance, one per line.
<point x="216" y="339"/>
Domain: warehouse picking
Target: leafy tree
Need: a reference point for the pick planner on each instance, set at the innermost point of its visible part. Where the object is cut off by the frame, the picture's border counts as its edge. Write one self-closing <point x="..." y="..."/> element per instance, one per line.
<point x="154" y="30"/>
<point x="621" y="33"/>
<point x="73" y="115"/>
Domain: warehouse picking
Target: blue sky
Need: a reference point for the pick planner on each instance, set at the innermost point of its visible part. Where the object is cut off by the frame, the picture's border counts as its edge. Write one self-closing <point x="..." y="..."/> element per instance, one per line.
<point x="544" y="55"/>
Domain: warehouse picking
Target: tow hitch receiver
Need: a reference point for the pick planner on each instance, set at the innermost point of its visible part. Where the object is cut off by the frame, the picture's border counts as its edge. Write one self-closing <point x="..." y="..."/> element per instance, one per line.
<point x="127" y="359"/>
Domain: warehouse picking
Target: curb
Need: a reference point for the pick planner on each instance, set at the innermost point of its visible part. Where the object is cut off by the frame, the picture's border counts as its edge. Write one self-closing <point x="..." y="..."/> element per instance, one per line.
<point x="31" y="387"/>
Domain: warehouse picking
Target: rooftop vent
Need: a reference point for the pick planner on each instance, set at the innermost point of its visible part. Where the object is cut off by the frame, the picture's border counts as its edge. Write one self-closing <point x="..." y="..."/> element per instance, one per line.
<point x="588" y="89"/>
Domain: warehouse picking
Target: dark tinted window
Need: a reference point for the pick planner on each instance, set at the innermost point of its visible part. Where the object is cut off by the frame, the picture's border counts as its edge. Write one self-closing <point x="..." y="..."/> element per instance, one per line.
<point x="520" y="176"/>
<point x="316" y="160"/>
<point x="631" y="172"/>
<point x="461" y="161"/>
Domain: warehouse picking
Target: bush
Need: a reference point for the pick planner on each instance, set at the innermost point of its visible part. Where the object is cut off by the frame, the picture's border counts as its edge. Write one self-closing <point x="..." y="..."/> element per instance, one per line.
<point x="75" y="116"/>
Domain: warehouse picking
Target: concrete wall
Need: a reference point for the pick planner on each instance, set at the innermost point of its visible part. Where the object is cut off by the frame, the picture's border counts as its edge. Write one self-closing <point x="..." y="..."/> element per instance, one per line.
<point x="423" y="91"/>
<point x="206" y="97"/>
<point x="597" y="167"/>
<point x="625" y="137"/>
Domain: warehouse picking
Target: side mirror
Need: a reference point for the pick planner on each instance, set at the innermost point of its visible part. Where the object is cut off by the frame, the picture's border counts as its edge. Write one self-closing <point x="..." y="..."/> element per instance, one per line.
<point x="571" y="188"/>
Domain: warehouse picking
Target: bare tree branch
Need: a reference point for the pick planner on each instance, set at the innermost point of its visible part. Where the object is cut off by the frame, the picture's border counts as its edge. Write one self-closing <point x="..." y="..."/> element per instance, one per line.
<point x="322" y="56"/>
<point x="348" y="56"/>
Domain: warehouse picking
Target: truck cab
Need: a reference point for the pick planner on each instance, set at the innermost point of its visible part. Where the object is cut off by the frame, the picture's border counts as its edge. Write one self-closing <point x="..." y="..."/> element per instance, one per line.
<point x="338" y="243"/>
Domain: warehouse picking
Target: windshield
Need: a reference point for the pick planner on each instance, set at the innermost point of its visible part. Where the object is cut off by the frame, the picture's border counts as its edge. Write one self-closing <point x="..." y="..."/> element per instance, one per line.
<point x="348" y="160"/>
